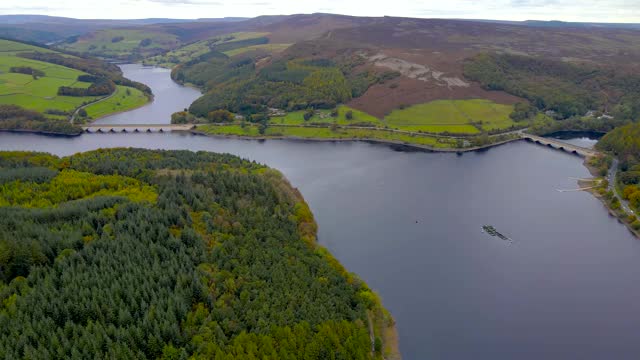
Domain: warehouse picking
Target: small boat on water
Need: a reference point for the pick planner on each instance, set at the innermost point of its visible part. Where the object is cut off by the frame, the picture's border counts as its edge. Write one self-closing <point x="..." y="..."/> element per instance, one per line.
<point x="489" y="229"/>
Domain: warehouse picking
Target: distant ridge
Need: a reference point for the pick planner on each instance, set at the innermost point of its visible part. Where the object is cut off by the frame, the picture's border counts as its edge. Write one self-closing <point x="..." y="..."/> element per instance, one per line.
<point x="560" y="24"/>
<point x="51" y="29"/>
<point x="29" y="19"/>
<point x="19" y="19"/>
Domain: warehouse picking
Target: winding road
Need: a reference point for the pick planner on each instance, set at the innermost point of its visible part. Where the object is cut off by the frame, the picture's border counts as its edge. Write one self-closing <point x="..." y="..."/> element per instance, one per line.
<point x="75" y="113"/>
<point x="611" y="177"/>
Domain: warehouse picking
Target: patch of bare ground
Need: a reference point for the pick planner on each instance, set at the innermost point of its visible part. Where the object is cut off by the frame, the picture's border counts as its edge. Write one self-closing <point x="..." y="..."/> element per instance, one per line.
<point x="416" y="71"/>
<point x="427" y="76"/>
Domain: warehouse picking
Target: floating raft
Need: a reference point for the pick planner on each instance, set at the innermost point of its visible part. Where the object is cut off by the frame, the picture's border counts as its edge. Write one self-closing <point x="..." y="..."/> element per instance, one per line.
<point x="493" y="232"/>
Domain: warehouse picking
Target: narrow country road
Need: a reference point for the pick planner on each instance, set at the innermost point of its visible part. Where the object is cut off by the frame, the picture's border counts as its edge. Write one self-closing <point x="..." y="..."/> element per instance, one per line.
<point x="611" y="177"/>
<point x="75" y="113"/>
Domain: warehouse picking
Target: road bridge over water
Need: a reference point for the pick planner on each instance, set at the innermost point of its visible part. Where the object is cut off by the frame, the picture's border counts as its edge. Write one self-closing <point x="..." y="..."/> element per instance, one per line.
<point x="560" y="145"/>
<point x="137" y="128"/>
<point x="148" y="128"/>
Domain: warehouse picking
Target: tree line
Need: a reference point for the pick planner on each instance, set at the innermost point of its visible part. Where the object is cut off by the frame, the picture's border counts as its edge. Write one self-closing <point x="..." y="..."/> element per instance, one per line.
<point x="567" y="88"/>
<point x="237" y="85"/>
<point x="100" y="69"/>
<point x="14" y="117"/>
<point x="99" y="88"/>
<point x="624" y="143"/>
<point x="27" y="70"/>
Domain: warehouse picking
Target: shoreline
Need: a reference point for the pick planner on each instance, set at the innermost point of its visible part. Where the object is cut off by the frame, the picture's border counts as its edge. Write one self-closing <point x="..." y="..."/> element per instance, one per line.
<point x="380" y="323"/>
<point x="40" y="132"/>
<point x="621" y="216"/>
<point x="150" y="100"/>
<point x="394" y="144"/>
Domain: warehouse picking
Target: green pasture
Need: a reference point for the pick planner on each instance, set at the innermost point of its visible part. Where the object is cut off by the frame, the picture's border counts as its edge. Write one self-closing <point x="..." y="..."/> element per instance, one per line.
<point x="325" y="133"/>
<point x="324" y="116"/>
<point x="8" y="47"/>
<point x="272" y="48"/>
<point x="39" y="94"/>
<point x="452" y="116"/>
<point x="100" y="42"/>
<point x="193" y="50"/>
<point x="120" y="101"/>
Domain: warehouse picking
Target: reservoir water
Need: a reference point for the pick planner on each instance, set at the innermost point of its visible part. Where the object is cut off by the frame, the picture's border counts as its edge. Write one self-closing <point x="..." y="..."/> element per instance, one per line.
<point x="410" y="224"/>
<point x="168" y="97"/>
<point x="585" y="139"/>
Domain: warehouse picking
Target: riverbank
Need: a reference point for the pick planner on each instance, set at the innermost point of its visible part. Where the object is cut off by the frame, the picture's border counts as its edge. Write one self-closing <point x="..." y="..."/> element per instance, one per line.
<point x="125" y="98"/>
<point x="41" y="132"/>
<point x="433" y="147"/>
<point x="149" y="102"/>
<point x="381" y="324"/>
<point x="601" y="192"/>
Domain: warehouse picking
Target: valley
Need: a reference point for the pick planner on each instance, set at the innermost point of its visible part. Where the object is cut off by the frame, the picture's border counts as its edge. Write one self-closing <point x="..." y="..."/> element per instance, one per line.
<point x="406" y="137"/>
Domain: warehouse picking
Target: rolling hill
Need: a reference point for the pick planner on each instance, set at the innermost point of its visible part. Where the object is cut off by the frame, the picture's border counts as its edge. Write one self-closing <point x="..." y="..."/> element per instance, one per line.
<point x="52" y="29"/>
<point x="48" y="87"/>
<point x="384" y="65"/>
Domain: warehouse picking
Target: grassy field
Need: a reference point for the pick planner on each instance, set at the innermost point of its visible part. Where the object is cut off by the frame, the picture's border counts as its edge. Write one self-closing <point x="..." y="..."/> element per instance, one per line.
<point x="326" y="133"/>
<point x="41" y="94"/>
<point x="192" y="51"/>
<point x="461" y="117"/>
<point x="452" y="116"/>
<point x="456" y="117"/>
<point x="324" y="116"/>
<point x="125" y="98"/>
<point x="102" y="42"/>
<point x="8" y="47"/>
<point x="271" y="48"/>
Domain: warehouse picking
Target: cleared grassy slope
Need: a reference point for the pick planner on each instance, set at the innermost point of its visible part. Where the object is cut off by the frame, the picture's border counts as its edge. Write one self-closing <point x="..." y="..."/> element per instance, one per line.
<point x="125" y="98"/>
<point x="123" y="43"/>
<point x="199" y="48"/>
<point x="41" y="93"/>
<point x="452" y="116"/>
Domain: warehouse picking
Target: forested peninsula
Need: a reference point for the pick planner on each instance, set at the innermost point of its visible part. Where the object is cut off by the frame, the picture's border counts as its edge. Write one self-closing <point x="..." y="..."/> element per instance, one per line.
<point x="130" y="253"/>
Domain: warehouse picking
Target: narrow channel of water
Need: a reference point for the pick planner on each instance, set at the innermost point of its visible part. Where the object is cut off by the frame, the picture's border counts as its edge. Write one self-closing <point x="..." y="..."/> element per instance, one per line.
<point x="585" y="139"/>
<point x="169" y="97"/>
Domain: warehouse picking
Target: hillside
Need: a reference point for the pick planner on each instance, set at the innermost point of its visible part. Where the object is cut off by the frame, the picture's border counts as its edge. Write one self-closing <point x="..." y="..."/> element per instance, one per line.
<point x="420" y="76"/>
<point x="215" y="257"/>
<point x="624" y="143"/>
<point x="122" y="43"/>
<point x="567" y="88"/>
<point x="228" y="44"/>
<point x="50" y="86"/>
<point x="402" y="71"/>
<point x="52" y="29"/>
<point x="169" y="36"/>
